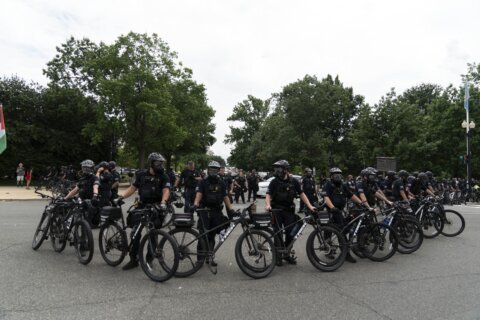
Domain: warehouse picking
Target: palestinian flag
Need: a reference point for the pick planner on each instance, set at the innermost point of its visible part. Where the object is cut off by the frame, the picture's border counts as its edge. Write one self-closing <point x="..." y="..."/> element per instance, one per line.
<point x="3" y="134"/>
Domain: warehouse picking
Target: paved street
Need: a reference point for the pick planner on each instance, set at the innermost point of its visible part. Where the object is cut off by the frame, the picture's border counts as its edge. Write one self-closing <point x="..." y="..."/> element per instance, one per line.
<point x="440" y="281"/>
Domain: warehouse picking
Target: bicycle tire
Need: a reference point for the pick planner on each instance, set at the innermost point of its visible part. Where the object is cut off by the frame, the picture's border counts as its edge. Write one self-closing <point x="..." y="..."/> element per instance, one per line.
<point x="192" y="251"/>
<point x="58" y="234"/>
<point x="41" y="233"/>
<point x="165" y="245"/>
<point x="432" y="224"/>
<point x="116" y="240"/>
<point x="410" y="234"/>
<point x="257" y="248"/>
<point x="373" y="240"/>
<point x="448" y="223"/>
<point x="326" y="248"/>
<point x="83" y="242"/>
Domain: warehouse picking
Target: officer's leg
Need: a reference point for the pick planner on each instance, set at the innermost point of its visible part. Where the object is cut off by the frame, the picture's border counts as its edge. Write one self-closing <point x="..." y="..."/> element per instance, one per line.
<point x="288" y="220"/>
<point x="237" y="194"/>
<point x="243" y="195"/>
<point x="203" y="225"/>
<point x="249" y="194"/>
<point x="189" y="198"/>
<point x="135" y="222"/>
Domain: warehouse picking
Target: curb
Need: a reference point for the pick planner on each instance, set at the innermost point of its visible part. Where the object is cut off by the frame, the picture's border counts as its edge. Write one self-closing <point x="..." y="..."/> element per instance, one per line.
<point x="8" y="200"/>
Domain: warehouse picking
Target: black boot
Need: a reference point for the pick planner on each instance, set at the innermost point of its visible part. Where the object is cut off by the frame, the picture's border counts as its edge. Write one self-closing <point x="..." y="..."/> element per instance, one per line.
<point x="130" y="265"/>
<point x="349" y="258"/>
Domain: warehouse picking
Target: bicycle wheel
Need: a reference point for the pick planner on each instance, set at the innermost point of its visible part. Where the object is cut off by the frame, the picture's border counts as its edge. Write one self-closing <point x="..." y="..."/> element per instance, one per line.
<point x="112" y="242"/>
<point x="379" y="242"/>
<point x="326" y="248"/>
<point x="158" y="255"/>
<point x="432" y="223"/>
<point x="355" y="245"/>
<point x="192" y="251"/>
<point x="83" y="241"/>
<point x="41" y="232"/>
<point x="410" y="234"/>
<point x="255" y="254"/>
<point x="453" y="223"/>
<point x="58" y="233"/>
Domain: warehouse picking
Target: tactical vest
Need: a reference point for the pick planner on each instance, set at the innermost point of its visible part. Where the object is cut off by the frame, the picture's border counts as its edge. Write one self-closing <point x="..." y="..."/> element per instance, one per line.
<point x="86" y="187"/>
<point x="338" y="197"/>
<point x="213" y="194"/>
<point x="308" y="185"/>
<point x="149" y="189"/>
<point x="285" y="194"/>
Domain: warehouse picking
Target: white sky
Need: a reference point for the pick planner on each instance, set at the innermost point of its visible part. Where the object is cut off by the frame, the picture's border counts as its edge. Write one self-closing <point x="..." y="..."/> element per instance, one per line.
<point x="238" y="48"/>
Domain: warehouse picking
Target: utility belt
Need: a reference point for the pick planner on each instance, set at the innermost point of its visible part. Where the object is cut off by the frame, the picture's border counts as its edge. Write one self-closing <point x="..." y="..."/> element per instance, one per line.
<point x="286" y="209"/>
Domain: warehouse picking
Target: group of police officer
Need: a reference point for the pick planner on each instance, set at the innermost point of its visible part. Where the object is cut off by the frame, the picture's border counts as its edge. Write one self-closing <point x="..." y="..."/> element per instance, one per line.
<point x="213" y="192"/>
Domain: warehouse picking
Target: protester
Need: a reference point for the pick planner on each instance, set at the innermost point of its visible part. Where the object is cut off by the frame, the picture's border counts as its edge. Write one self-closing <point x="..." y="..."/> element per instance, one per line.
<point x="20" y="175"/>
<point x="28" y="177"/>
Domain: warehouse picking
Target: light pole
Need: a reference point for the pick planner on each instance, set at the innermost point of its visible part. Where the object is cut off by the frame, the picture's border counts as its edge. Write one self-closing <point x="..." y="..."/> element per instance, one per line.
<point x="468" y="125"/>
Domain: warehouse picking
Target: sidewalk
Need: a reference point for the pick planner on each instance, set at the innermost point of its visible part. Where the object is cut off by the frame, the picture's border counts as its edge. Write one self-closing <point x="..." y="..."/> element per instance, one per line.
<point x="14" y="193"/>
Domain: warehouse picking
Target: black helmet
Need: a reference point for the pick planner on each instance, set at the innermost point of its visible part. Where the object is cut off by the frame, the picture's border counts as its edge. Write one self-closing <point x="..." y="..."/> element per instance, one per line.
<point x="372" y="169"/>
<point x="415" y="174"/>
<point x="112" y="165"/>
<point x="280" y="168"/>
<point x="429" y="174"/>
<point x="214" y="164"/>
<point x="308" y="170"/>
<point x="391" y="173"/>
<point x="103" y="164"/>
<point x="156" y="161"/>
<point x="366" y="172"/>
<point x="335" y="170"/>
<point x="282" y="164"/>
<point x="87" y="166"/>
<point x="423" y="177"/>
<point x="403" y="173"/>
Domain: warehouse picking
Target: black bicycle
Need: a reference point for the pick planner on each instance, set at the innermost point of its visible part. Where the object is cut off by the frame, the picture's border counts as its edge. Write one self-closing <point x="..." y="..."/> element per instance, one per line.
<point x="407" y="227"/>
<point x="158" y="251"/>
<point x="65" y="221"/>
<point x="368" y="238"/>
<point x="254" y="251"/>
<point x="326" y="246"/>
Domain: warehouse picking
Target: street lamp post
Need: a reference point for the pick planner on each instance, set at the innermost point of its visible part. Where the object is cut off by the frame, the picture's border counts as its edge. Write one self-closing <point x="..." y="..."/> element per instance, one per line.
<point x="467" y="124"/>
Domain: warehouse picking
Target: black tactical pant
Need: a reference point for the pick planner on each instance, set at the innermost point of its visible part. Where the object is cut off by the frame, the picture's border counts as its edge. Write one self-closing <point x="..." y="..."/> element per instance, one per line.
<point x="189" y="199"/>
<point x="134" y="220"/>
<point x="209" y="220"/>
<point x="284" y="218"/>
<point x="252" y="192"/>
<point x="239" y="193"/>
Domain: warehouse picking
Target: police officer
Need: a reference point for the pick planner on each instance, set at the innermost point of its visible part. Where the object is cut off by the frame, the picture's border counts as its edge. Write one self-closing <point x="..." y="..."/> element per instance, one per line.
<point x="367" y="189"/>
<point x="211" y="193"/>
<point x="335" y="194"/>
<point x="252" y="181"/>
<point x="115" y="179"/>
<point x="189" y="178"/>
<point x="153" y="187"/>
<point x="87" y="187"/>
<point x="240" y="185"/>
<point x="281" y="194"/>
<point x="106" y="181"/>
<point x="388" y="190"/>
<point x="399" y="187"/>
<point x="309" y="188"/>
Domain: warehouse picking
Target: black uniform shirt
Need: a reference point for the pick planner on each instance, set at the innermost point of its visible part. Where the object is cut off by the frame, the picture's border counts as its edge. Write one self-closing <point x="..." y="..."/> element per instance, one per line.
<point x="338" y="195"/>
<point x="85" y="184"/>
<point x="150" y="187"/>
<point x="187" y="177"/>
<point x="283" y="192"/>
<point x="397" y="186"/>
<point x="213" y="191"/>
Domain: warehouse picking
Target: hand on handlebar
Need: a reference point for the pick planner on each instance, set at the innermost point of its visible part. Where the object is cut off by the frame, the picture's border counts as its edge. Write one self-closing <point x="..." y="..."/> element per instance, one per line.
<point x="268" y="208"/>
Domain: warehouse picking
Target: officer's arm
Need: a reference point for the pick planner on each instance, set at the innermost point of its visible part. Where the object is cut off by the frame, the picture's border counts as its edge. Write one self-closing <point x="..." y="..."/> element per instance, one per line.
<point x="72" y="193"/>
<point x="268" y="205"/>
<point x="115" y="185"/>
<point x="403" y="195"/>
<point x="198" y="198"/>
<point x="364" y="199"/>
<point x="329" y="202"/>
<point x="131" y="190"/>
<point x="380" y="195"/>
<point x="228" y="205"/>
<point x="306" y="201"/>
<point x="355" y="199"/>
<point x="165" y="194"/>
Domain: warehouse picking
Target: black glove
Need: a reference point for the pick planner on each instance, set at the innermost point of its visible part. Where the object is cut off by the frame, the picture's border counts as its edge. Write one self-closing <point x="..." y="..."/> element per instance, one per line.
<point x="95" y="200"/>
<point x="193" y="209"/>
<point x="119" y="201"/>
<point x="230" y="212"/>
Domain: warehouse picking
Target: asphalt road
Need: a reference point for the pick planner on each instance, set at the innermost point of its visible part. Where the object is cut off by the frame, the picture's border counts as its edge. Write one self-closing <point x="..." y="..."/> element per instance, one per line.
<point x="439" y="281"/>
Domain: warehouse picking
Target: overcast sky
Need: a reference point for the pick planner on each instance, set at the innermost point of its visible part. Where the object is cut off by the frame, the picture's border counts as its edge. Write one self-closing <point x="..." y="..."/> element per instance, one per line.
<point x="256" y="47"/>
